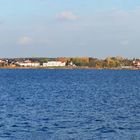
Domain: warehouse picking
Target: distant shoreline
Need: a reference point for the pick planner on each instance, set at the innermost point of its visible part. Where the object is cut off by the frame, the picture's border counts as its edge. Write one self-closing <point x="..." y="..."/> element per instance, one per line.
<point x="115" y="63"/>
<point x="69" y="68"/>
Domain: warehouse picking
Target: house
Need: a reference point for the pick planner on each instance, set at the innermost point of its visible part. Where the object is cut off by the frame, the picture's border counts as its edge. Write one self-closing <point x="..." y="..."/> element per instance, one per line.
<point x="136" y="63"/>
<point x="2" y="62"/>
<point x="54" y="64"/>
<point x="71" y="64"/>
<point x="28" y="63"/>
<point x="63" y="59"/>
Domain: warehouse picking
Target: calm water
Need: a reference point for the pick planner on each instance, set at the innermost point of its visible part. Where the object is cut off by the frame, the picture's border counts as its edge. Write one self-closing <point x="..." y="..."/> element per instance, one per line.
<point x="69" y="105"/>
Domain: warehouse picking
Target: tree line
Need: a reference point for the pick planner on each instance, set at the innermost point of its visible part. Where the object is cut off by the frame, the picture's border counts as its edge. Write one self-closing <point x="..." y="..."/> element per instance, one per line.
<point x="109" y="62"/>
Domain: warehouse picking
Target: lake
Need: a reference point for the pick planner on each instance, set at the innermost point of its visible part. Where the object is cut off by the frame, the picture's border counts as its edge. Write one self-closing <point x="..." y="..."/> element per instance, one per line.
<point x="69" y="104"/>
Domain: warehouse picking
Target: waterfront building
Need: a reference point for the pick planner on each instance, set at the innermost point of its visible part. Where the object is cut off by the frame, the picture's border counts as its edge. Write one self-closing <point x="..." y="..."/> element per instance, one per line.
<point x="136" y="63"/>
<point x="28" y="63"/>
<point x="54" y="64"/>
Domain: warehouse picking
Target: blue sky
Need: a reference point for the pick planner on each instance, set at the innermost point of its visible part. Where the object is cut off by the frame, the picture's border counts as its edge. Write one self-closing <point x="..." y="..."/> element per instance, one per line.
<point x="53" y="28"/>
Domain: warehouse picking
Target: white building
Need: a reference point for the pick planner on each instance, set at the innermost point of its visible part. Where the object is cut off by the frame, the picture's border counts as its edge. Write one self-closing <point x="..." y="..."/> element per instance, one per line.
<point x="28" y="64"/>
<point x="136" y="63"/>
<point x="1" y="61"/>
<point x="54" y="64"/>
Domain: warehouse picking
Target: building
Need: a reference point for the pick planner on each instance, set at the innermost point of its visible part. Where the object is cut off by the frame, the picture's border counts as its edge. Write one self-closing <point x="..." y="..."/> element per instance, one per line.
<point x="54" y="64"/>
<point x="2" y="62"/>
<point x="63" y="59"/>
<point x="28" y="63"/>
<point x="136" y="63"/>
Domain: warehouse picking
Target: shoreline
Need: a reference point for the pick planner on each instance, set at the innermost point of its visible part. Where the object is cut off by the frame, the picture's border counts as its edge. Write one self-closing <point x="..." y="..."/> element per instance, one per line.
<point x="69" y="68"/>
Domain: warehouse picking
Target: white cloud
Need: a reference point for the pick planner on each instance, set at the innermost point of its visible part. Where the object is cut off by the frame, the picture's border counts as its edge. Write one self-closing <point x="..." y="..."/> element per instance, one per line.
<point x="66" y="15"/>
<point x="25" y="40"/>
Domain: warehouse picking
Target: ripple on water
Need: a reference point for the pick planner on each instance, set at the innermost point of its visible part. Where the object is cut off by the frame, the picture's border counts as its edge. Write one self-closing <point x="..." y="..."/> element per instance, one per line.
<point x="69" y="104"/>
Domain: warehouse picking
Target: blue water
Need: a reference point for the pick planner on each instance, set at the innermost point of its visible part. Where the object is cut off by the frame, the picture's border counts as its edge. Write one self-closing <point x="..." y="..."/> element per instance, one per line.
<point x="69" y="105"/>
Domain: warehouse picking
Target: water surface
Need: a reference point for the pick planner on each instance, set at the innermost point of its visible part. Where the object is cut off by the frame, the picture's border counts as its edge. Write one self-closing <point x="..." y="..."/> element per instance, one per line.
<point x="69" y="105"/>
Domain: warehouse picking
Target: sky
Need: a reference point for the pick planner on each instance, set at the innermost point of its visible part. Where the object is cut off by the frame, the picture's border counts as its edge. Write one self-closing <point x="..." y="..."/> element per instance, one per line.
<point x="69" y="28"/>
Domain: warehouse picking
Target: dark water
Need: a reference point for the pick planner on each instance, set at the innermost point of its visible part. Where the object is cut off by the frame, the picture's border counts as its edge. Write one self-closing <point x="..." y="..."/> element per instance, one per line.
<point x="69" y="105"/>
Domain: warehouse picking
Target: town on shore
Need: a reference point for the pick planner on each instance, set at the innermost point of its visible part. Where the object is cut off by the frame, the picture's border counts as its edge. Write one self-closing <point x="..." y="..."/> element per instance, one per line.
<point x="71" y="63"/>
